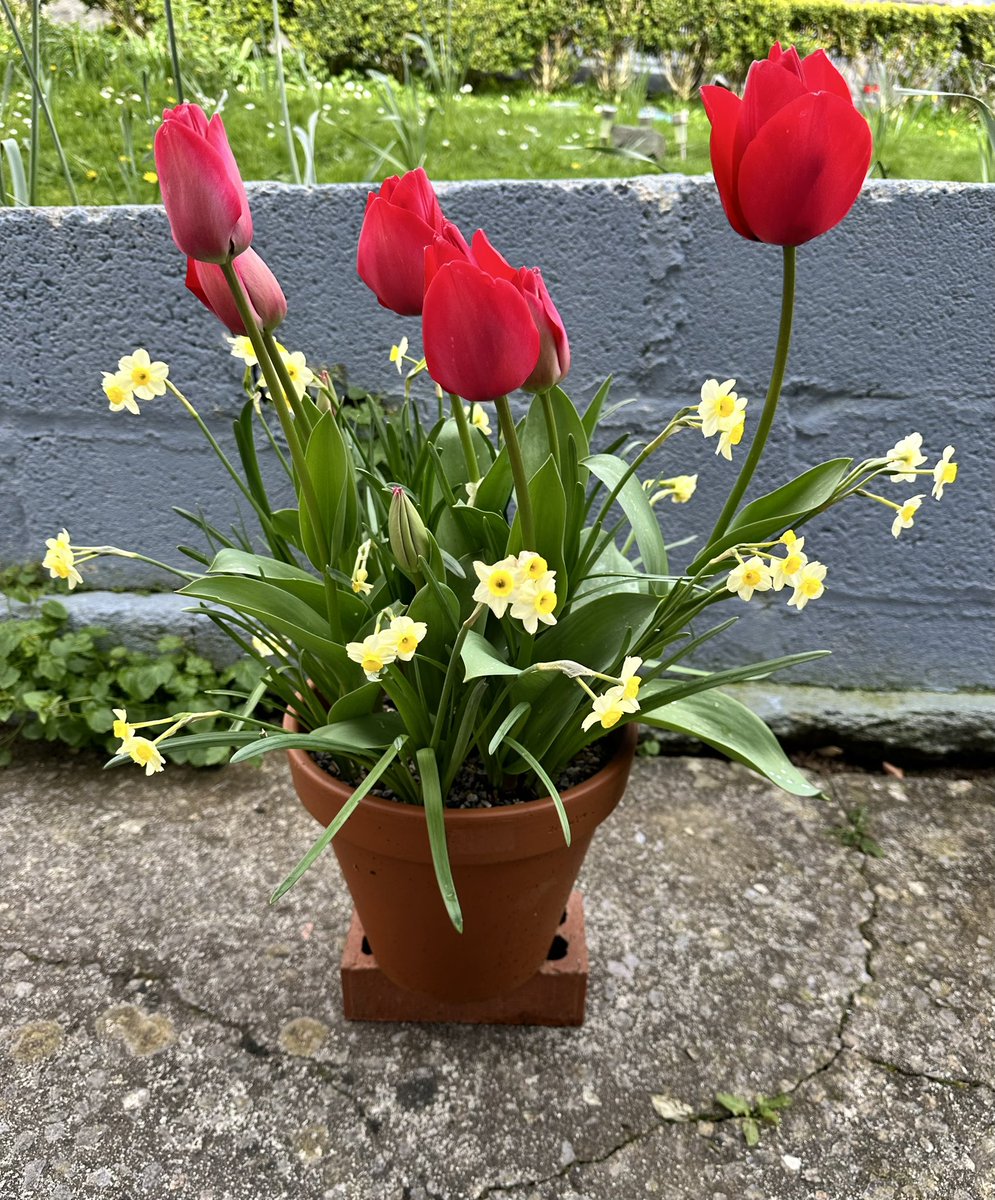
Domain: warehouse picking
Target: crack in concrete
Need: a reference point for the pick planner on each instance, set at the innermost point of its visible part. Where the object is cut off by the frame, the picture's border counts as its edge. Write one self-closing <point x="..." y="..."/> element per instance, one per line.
<point x="494" y="1189"/>
<point x="908" y="1073"/>
<point x="247" y="1042"/>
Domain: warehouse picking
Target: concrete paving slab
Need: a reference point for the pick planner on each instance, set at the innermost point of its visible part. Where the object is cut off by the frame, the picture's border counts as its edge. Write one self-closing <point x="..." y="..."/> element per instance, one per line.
<point x="163" y="1032"/>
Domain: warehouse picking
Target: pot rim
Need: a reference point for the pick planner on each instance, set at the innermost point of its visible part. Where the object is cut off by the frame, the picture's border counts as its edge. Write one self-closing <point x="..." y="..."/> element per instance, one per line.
<point x="539" y="808"/>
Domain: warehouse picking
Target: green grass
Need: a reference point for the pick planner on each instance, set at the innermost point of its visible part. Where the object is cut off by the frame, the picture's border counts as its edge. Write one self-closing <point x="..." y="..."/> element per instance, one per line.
<point x="107" y="94"/>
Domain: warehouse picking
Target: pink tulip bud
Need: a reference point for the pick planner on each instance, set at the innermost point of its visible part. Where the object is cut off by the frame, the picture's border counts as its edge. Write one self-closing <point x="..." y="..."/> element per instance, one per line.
<point x="208" y="284"/>
<point x="202" y="189"/>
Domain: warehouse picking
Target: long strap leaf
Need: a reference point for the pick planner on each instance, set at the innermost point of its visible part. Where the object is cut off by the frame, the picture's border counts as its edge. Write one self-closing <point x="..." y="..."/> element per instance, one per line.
<point x="536" y="766"/>
<point x="435" y="815"/>
<point x="344" y="813"/>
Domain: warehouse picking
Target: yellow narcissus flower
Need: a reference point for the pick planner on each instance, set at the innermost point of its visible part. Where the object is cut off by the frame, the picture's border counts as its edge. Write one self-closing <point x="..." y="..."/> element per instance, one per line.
<point x="749" y="577"/>
<point x="373" y="653"/>
<point x="906" y="515"/>
<point x="360" y="575"/>
<point x="497" y="583"/>
<point x="786" y="570"/>
<point x="298" y="370"/>
<point x="609" y="709"/>
<point x="406" y="635"/>
<point x="397" y="354"/>
<point x="143" y="752"/>
<point x="60" y="560"/>
<point x="241" y="347"/>
<point x="534" y="603"/>
<point x="118" y="390"/>
<point x="478" y="418"/>
<point x="944" y="472"/>
<point x="147" y="378"/>
<point x="532" y="567"/>
<point x="808" y="585"/>
<point x="629" y="681"/>
<point x="682" y="487"/>
<point x="729" y="438"/>
<point x="904" y="457"/>
<point x="122" y="730"/>
<point x="720" y="408"/>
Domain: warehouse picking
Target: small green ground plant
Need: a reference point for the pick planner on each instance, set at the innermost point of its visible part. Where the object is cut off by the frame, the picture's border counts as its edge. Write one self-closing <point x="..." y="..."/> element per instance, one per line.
<point x="60" y="684"/>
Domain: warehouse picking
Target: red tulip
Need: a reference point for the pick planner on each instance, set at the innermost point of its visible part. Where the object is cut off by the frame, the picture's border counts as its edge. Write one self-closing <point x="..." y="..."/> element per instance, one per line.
<point x="201" y="187"/>
<point x="789" y="158"/>
<point x="400" y="222"/>
<point x="479" y="336"/>
<point x="554" y="349"/>
<point x="208" y="284"/>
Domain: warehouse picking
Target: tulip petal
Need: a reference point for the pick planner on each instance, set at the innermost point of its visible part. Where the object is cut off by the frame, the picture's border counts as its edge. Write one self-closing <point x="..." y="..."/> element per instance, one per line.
<point x="263" y="289"/>
<point x="786" y="58"/>
<point x="821" y="76"/>
<point x="443" y="250"/>
<point x="769" y="87"/>
<point x="554" y="349"/>
<point x="391" y="255"/>
<point x="803" y="171"/>
<point x="217" y="137"/>
<point x="202" y="205"/>
<point x="414" y="192"/>
<point x="479" y="337"/>
<point x="208" y="284"/>
<point x="723" y="108"/>
<point x="491" y="260"/>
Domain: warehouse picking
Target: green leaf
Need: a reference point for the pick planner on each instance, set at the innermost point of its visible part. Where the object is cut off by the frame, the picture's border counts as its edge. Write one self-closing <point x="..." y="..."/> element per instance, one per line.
<point x="635" y="504"/>
<point x="330" y="465"/>
<point x="519" y="711"/>
<point x="751" y="1132"/>
<point x="759" y="520"/>
<point x="54" y="610"/>
<point x="549" y="509"/>
<point x="592" y="414"/>
<point x="435" y="815"/>
<point x="731" y="728"/>
<point x="481" y="659"/>
<point x="275" y="607"/>
<point x="351" y="738"/>
<point x="549" y="785"/>
<point x="734" y="1104"/>
<point x="341" y="817"/>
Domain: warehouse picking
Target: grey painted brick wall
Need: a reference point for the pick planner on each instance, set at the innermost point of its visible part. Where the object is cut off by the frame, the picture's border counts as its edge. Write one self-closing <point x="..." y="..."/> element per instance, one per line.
<point x="894" y="332"/>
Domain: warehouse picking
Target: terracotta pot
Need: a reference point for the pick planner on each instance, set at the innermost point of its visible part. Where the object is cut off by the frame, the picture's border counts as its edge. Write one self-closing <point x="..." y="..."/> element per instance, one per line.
<point x="512" y="869"/>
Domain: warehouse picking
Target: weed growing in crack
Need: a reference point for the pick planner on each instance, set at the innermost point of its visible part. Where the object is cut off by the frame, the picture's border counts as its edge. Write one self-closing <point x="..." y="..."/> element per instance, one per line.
<point x="764" y="1110"/>
<point x="855" y="833"/>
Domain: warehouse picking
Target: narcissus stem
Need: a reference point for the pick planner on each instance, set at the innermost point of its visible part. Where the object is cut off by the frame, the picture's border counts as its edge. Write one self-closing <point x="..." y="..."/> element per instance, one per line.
<point x="517" y="471"/>
<point x="773" y="395"/>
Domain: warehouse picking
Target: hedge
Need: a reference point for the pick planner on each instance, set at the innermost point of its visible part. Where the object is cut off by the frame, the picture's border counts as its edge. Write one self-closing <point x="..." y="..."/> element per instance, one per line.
<point x="926" y="42"/>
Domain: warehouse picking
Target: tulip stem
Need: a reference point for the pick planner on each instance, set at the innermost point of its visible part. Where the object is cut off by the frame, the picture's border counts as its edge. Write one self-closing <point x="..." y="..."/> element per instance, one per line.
<point x="465" y="437"/>
<point x="551" y="430"/>
<point x="281" y="402"/>
<point x="286" y="382"/>
<point x="773" y="395"/>
<point x="517" y="471"/>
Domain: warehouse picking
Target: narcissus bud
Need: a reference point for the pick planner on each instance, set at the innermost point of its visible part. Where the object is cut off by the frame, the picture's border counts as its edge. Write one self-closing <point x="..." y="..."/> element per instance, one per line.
<point x="408" y="535"/>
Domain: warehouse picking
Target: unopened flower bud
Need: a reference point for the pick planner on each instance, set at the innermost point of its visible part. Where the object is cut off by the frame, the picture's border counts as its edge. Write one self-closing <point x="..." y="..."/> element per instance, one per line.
<point x="408" y="535"/>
